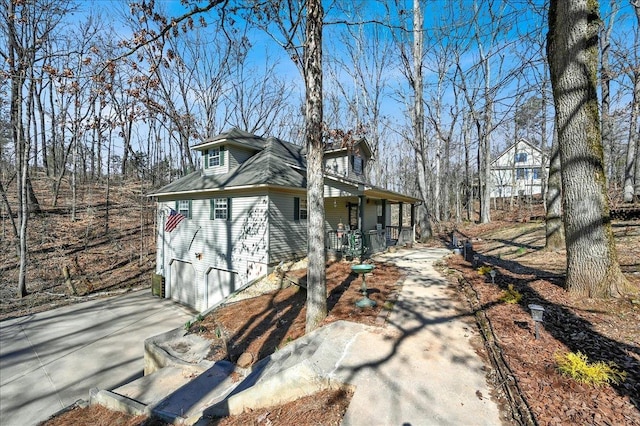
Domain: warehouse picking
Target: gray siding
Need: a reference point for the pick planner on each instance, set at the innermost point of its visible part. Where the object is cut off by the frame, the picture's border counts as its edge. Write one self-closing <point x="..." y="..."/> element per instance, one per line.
<point x="338" y="165"/>
<point x="338" y="189"/>
<point x="334" y="215"/>
<point x="287" y="237"/>
<point x="238" y="156"/>
<point x="238" y="245"/>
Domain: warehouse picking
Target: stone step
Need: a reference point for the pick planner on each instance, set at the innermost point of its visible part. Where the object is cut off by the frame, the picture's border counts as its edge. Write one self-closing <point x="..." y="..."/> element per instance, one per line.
<point x="177" y="394"/>
<point x="186" y="404"/>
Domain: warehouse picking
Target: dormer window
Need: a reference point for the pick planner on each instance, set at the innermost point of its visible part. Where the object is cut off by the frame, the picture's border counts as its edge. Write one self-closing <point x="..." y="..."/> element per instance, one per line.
<point x="215" y="158"/>
<point x="358" y="164"/>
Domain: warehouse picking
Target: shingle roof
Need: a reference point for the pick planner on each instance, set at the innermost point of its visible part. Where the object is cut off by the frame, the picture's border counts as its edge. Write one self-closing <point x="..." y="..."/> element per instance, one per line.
<point x="237" y="137"/>
<point x="279" y="163"/>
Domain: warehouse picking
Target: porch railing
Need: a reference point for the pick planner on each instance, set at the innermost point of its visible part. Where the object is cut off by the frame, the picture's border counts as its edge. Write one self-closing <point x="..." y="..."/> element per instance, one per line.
<point x="398" y="236"/>
<point x="352" y="243"/>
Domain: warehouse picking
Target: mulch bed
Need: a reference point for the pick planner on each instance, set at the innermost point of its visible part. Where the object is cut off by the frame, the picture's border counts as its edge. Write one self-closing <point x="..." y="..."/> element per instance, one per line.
<point x="606" y="330"/>
<point x="258" y="326"/>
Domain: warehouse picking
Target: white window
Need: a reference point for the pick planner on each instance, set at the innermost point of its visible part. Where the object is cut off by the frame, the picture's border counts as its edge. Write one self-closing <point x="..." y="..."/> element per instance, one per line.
<point x="214" y="157"/>
<point x="522" y="173"/>
<point x="521" y="157"/>
<point x="183" y="208"/>
<point x="357" y="164"/>
<point x="220" y="208"/>
<point x="303" y="209"/>
<point x="536" y="173"/>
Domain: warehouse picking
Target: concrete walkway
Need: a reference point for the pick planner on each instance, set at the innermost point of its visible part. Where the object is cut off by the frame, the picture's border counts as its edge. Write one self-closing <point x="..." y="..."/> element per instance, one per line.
<point x="51" y="359"/>
<point x="423" y="370"/>
<point x="419" y="369"/>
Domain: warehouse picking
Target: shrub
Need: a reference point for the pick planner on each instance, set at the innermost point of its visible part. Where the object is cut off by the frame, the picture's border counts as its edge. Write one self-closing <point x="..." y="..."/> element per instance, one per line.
<point x="576" y="366"/>
<point x="483" y="270"/>
<point x="510" y="295"/>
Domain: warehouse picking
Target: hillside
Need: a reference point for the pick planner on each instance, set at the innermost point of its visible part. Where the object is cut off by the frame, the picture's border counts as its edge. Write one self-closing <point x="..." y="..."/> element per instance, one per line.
<point x="109" y="248"/>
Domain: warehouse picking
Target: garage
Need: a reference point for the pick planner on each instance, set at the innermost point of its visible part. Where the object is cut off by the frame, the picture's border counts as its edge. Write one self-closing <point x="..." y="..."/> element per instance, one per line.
<point x="219" y="284"/>
<point x="183" y="283"/>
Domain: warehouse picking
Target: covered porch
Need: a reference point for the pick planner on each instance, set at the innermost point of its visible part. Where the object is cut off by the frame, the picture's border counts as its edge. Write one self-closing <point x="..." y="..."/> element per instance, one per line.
<point x="368" y="222"/>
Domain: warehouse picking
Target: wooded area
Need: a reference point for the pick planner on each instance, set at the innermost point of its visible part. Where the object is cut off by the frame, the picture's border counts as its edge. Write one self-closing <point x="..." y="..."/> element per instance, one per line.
<point x="437" y="88"/>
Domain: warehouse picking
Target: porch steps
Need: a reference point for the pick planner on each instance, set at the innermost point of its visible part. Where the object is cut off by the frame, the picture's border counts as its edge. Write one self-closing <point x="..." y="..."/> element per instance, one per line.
<point x="175" y="394"/>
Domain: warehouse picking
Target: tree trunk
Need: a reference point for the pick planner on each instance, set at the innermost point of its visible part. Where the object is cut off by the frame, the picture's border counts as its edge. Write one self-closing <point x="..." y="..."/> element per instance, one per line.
<point x="631" y="167"/>
<point x="572" y="49"/>
<point x="418" y="122"/>
<point x="316" y="276"/>
<point x="467" y="171"/>
<point x="5" y="202"/>
<point x="605" y="84"/>
<point x="553" y="223"/>
<point x="485" y="140"/>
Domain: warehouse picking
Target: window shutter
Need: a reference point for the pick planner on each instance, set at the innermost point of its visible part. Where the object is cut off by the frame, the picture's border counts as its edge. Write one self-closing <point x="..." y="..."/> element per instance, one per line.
<point x="176" y="205"/>
<point x="222" y="150"/>
<point x="296" y="208"/>
<point x="228" y="209"/>
<point x="205" y="156"/>
<point x="190" y="209"/>
<point x="212" y="207"/>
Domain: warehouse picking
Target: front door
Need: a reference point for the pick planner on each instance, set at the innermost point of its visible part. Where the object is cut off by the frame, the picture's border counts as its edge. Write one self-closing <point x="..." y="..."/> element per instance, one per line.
<point x="353" y="216"/>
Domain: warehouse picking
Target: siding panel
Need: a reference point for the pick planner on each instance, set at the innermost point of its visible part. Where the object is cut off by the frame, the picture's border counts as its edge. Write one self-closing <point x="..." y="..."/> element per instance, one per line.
<point x="287" y="237"/>
<point x="238" y="245"/>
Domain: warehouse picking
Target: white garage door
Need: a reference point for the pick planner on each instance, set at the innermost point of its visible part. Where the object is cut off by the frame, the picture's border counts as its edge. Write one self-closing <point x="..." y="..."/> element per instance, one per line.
<point x="183" y="283"/>
<point x="220" y="284"/>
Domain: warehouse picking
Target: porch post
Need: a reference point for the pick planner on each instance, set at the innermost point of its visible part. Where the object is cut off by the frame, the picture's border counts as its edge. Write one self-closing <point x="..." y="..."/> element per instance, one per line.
<point x="384" y="215"/>
<point x="360" y="212"/>
<point x="413" y="222"/>
<point x="361" y="203"/>
<point x="400" y="218"/>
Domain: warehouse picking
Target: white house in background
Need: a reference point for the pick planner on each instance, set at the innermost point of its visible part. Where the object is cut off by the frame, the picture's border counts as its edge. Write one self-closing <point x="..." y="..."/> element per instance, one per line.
<point x="517" y="171"/>
<point x="246" y="210"/>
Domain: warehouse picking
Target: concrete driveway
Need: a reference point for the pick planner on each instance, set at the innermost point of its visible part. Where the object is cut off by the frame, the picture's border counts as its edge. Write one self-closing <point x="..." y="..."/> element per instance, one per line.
<point x="51" y="359"/>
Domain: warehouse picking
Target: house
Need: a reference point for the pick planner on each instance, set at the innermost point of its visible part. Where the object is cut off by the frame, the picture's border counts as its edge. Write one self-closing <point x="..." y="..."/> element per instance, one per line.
<point x="517" y="171"/>
<point x="245" y="211"/>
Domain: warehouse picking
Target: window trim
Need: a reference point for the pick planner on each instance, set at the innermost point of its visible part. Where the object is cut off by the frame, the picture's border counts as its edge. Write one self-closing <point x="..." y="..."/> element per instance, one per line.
<point x="218" y="211"/>
<point x="359" y="161"/>
<point x="214" y="154"/>
<point x="304" y="209"/>
<point x="300" y="213"/>
<point x="184" y="209"/>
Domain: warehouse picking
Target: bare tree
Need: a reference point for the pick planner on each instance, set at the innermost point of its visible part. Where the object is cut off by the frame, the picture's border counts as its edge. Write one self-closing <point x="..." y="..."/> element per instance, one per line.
<point x="605" y="89"/>
<point x="26" y="27"/>
<point x="312" y="70"/>
<point x="631" y="186"/>
<point x="413" y="69"/>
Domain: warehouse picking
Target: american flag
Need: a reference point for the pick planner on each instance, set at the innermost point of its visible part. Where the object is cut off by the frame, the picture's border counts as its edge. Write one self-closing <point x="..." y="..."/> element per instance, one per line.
<point x="173" y="220"/>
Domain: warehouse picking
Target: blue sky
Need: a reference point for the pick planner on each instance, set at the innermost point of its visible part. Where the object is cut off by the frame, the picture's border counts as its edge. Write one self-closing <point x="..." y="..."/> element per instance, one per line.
<point x="446" y="23"/>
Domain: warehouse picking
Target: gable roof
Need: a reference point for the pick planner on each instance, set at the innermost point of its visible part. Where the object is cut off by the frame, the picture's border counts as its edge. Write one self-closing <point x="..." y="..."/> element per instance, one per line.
<point x="512" y="146"/>
<point x="279" y="163"/>
<point x="235" y="137"/>
<point x="276" y="163"/>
